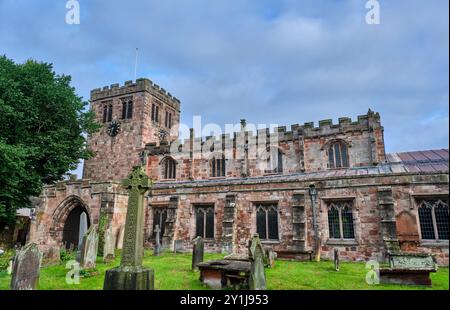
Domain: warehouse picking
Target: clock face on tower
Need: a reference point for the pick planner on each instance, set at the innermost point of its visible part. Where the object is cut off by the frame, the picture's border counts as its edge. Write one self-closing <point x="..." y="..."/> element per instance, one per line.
<point x="113" y="128"/>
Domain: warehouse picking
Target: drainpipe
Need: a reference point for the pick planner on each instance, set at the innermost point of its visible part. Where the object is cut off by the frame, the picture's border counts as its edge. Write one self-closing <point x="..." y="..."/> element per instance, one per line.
<point x="313" y="195"/>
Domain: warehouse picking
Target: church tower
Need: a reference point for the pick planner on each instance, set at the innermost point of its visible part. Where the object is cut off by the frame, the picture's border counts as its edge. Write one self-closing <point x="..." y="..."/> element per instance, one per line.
<point x="132" y="116"/>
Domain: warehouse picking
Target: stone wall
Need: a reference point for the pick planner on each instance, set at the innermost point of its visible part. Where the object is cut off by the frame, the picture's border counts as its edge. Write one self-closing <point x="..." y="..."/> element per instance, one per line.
<point x="304" y="149"/>
<point x="363" y="191"/>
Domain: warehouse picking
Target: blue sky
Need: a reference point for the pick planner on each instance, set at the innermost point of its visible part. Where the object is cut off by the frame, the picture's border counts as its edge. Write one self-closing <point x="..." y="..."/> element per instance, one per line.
<point x="268" y="61"/>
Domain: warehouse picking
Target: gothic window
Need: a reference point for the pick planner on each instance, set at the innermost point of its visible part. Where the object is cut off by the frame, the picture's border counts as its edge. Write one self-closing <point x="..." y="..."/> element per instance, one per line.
<point x="204" y="222"/>
<point x="105" y="113"/>
<point x="217" y="167"/>
<point x="110" y="113"/>
<point x="159" y="218"/>
<point x="267" y="221"/>
<point x="169" y="168"/>
<point x="433" y="218"/>
<point x="340" y="220"/>
<point x="274" y="161"/>
<point x="338" y="155"/>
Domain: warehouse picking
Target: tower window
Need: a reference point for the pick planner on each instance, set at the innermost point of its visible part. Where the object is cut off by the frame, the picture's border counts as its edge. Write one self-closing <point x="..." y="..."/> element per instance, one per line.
<point x="217" y="166"/>
<point x="340" y="220"/>
<point x="433" y="218"/>
<point x="170" y="120"/>
<point x="338" y="155"/>
<point x="110" y="113"/>
<point x="127" y="109"/>
<point x="267" y="222"/>
<point x="204" y="222"/>
<point x="155" y="113"/>
<point x="105" y="113"/>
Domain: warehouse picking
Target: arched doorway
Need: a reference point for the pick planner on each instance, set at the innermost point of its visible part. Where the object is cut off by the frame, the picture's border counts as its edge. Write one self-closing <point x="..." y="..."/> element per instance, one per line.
<point x="71" y="232"/>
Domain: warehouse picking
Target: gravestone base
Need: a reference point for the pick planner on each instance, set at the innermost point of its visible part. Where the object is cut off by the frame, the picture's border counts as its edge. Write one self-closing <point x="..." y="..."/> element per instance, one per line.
<point x="129" y="278"/>
<point x="406" y="276"/>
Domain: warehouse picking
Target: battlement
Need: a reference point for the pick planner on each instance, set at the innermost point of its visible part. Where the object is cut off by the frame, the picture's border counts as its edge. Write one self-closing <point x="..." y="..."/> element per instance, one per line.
<point x="140" y="85"/>
<point x="281" y="134"/>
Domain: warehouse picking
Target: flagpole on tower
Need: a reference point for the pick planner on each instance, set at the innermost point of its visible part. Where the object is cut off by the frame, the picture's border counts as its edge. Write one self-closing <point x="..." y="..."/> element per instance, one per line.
<point x="135" y="64"/>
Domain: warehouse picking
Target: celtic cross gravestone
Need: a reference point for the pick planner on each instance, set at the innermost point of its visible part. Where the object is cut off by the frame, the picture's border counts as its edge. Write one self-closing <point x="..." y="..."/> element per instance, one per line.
<point x="131" y="275"/>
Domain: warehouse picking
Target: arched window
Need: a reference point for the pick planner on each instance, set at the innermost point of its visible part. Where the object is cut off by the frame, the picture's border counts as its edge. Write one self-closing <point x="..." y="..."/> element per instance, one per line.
<point x="433" y="218"/>
<point x="169" y="168"/>
<point x="267" y="221"/>
<point x="204" y="222"/>
<point x="338" y="155"/>
<point x="217" y="165"/>
<point x="274" y="161"/>
<point x="340" y="220"/>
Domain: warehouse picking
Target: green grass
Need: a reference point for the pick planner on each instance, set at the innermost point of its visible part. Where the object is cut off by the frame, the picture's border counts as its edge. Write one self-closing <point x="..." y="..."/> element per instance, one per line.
<point x="172" y="272"/>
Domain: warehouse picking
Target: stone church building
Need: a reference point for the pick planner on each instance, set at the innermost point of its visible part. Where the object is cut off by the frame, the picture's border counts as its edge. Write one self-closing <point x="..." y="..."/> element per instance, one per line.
<point x="226" y="188"/>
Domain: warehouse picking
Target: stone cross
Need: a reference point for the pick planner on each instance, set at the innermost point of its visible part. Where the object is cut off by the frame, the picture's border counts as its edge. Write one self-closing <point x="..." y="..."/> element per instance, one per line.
<point x="137" y="185"/>
<point x="25" y="268"/>
<point x="131" y="275"/>
<point x="336" y="259"/>
<point x="197" y="252"/>
<point x="257" y="273"/>
<point x="157" y="249"/>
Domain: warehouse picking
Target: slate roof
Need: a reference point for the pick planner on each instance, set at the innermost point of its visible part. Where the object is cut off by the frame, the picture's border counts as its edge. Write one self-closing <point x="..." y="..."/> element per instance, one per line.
<point x="430" y="161"/>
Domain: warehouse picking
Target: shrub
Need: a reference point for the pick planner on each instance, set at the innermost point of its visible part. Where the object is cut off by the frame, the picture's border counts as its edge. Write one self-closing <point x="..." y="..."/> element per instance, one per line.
<point x="5" y="258"/>
<point x="66" y="255"/>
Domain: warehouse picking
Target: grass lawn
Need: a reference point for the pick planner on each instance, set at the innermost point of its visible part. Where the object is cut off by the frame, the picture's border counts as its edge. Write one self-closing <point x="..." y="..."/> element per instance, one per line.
<point x="172" y="272"/>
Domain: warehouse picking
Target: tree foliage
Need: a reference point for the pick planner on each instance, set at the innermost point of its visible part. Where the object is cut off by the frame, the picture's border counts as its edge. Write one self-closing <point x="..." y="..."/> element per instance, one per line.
<point x="43" y="128"/>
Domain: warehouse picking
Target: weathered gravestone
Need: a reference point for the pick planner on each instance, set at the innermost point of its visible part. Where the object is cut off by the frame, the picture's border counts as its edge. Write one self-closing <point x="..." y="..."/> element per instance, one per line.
<point x="89" y="248"/>
<point x="131" y="275"/>
<point x="178" y="246"/>
<point x="157" y="250"/>
<point x="25" y="269"/>
<point x="83" y="228"/>
<point x="336" y="259"/>
<point x="257" y="279"/>
<point x="270" y="258"/>
<point x="408" y="269"/>
<point x="109" y="246"/>
<point x="197" y="252"/>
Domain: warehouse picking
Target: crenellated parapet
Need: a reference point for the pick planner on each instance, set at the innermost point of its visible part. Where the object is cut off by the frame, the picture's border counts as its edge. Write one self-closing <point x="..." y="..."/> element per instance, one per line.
<point x="140" y="85"/>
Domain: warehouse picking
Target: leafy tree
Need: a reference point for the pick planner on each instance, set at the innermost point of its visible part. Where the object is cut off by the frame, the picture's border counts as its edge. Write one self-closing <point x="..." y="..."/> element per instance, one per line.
<point x="43" y="125"/>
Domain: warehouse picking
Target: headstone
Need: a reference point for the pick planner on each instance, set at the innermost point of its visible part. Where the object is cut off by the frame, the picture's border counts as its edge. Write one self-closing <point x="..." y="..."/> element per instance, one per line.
<point x="89" y="248"/>
<point x="157" y="250"/>
<point x="197" y="252"/>
<point x="25" y="268"/>
<point x="257" y="279"/>
<point x="270" y="257"/>
<point x="178" y="246"/>
<point x="83" y="228"/>
<point x="119" y="244"/>
<point x="109" y="246"/>
<point x="336" y="259"/>
<point x="131" y="275"/>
